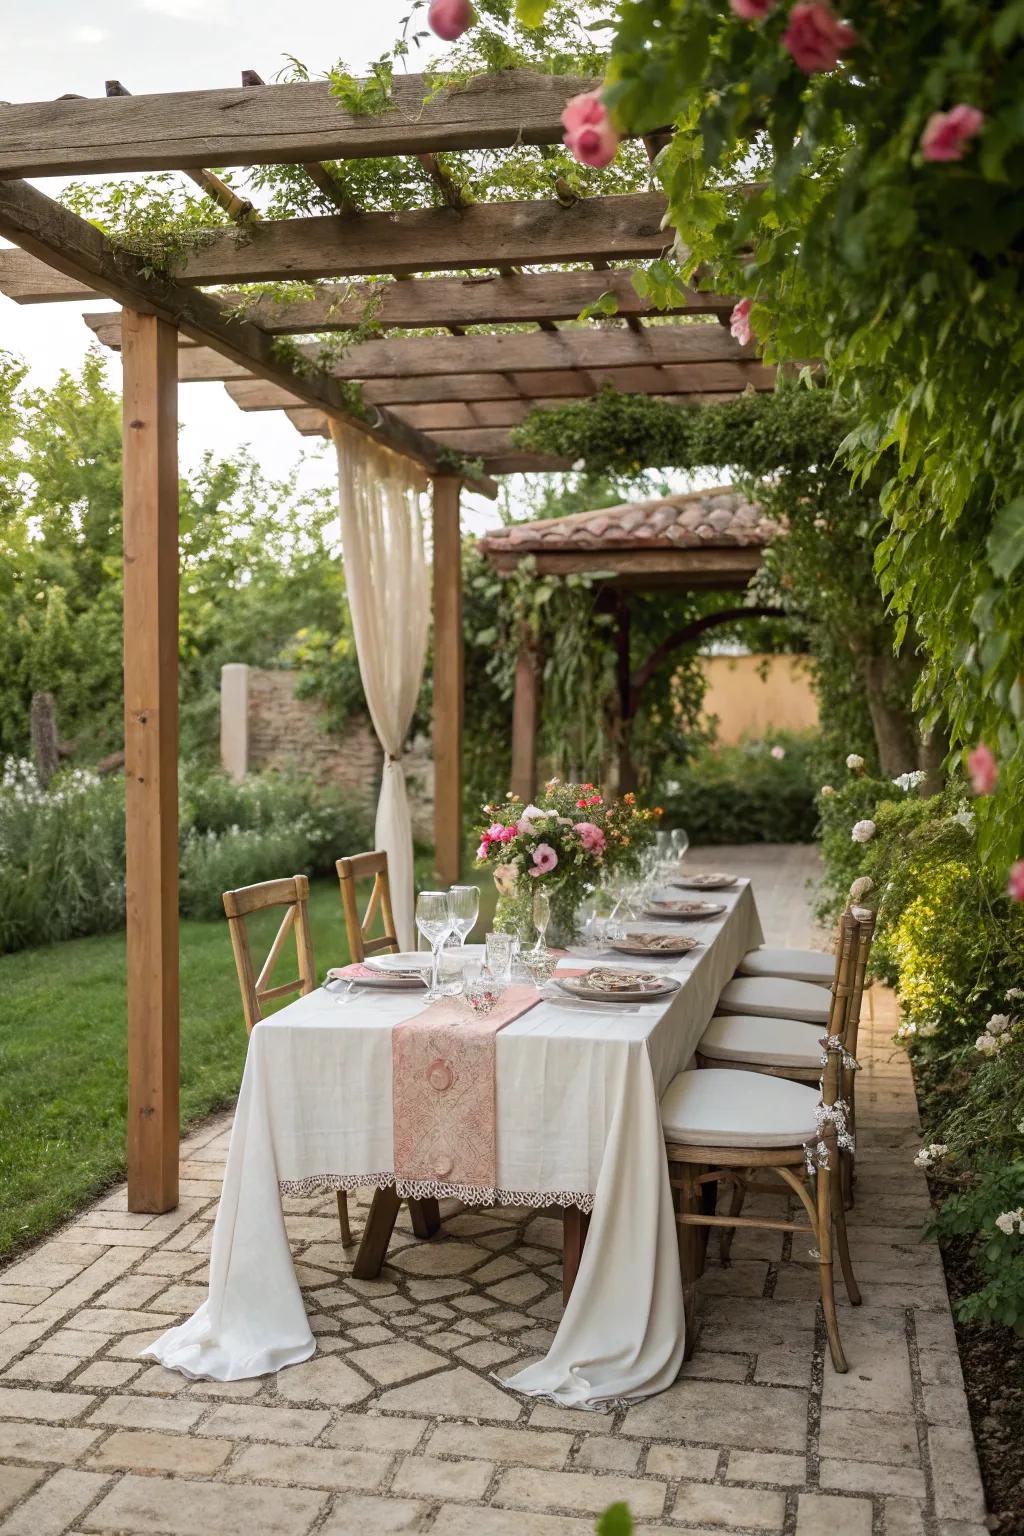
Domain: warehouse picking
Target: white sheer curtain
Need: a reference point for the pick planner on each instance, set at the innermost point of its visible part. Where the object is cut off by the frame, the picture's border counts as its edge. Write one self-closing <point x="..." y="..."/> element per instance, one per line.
<point x="389" y="597"/>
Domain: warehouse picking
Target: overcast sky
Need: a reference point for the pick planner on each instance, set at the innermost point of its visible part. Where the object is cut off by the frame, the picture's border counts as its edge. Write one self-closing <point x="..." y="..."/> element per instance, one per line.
<point x="51" y="47"/>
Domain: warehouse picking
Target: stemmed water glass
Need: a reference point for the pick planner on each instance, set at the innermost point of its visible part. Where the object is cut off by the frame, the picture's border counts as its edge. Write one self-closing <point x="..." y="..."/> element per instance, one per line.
<point x="541" y="916"/>
<point x="464" y="906"/>
<point x="434" y="921"/>
<point x="680" y="842"/>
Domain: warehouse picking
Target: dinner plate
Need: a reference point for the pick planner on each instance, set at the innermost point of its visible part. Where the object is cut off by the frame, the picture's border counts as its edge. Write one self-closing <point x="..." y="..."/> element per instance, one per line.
<point x="650" y="987"/>
<point x="684" y="911"/>
<point x="706" y="882"/>
<point x="654" y="944"/>
<point x="419" y="959"/>
<point x="396" y="981"/>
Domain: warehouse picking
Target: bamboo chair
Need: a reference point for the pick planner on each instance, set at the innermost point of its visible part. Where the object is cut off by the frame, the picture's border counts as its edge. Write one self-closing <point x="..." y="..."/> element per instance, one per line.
<point x="293" y="895"/>
<point x="360" y="867"/>
<point x="713" y="1137"/>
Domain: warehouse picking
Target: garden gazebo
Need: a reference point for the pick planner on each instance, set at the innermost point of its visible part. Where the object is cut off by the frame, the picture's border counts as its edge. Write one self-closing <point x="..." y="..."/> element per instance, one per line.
<point x="447" y="402"/>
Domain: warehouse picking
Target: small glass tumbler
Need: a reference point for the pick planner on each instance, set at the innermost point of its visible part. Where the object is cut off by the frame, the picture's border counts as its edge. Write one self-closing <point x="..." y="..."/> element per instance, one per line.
<point x="450" y="978"/>
<point x="499" y="949"/>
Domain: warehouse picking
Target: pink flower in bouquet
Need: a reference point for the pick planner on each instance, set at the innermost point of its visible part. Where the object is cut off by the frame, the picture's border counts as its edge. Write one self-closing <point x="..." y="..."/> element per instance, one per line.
<point x="983" y="769"/>
<point x="590" y="836"/>
<point x="589" y="135"/>
<point x="816" y="37"/>
<point x="484" y="849"/>
<point x="752" y="10"/>
<point x="544" y="859"/>
<point x="448" y="19"/>
<point x="739" y="322"/>
<point x="1015" y="883"/>
<point x="947" y="134"/>
<point x="505" y="877"/>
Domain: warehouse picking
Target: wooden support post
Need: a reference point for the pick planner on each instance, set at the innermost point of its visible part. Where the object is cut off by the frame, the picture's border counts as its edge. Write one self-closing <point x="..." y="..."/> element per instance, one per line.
<point x="448" y="679"/>
<point x="525" y="716"/>
<point x="150" y="356"/>
<point x="627" y="768"/>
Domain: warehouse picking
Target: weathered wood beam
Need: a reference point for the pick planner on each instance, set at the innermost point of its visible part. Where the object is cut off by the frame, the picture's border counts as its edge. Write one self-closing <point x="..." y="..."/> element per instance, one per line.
<point x="82" y="252"/>
<point x="294" y="122"/>
<point x="418" y="304"/>
<point x="238" y="208"/>
<point x="695" y="567"/>
<point x="318" y="174"/>
<point x="535" y="233"/>
<point x="520" y="463"/>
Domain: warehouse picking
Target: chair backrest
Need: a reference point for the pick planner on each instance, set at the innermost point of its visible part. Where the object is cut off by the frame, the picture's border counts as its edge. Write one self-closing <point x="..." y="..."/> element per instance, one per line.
<point x="293" y="895"/>
<point x="864" y="917"/>
<point x="843" y="978"/>
<point x="364" y="866"/>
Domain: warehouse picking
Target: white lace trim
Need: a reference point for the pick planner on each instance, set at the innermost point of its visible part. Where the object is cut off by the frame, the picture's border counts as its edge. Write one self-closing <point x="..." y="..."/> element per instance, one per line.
<point x="435" y="1189"/>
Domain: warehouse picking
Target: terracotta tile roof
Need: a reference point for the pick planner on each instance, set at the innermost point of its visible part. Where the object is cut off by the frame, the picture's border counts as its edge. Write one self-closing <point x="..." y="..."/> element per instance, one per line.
<point x="720" y="518"/>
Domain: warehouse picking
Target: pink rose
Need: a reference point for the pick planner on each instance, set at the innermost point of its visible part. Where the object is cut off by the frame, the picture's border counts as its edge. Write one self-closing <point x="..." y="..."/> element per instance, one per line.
<point x="589" y="135"/>
<point x="544" y="859"/>
<point x="946" y="134"/>
<point x="590" y="836"/>
<point x="448" y="19"/>
<point x="507" y="834"/>
<point x="739" y="322"/>
<point x="1015" y="883"/>
<point x="816" y="37"/>
<point x="494" y="831"/>
<point x="752" y="10"/>
<point x="983" y="768"/>
<point x="778" y="753"/>
<point x="483" y="850"/>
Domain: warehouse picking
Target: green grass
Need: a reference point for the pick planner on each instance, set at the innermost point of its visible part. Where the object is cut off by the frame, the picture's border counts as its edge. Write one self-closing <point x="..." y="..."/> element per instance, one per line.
<point x="63" y="1061"/>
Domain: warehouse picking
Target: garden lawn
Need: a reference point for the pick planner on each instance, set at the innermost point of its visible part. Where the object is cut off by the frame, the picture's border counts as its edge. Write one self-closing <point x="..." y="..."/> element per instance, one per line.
<point x="63" y="1060"/>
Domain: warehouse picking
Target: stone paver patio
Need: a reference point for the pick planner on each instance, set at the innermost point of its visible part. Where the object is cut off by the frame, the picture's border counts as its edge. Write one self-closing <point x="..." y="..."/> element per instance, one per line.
<point x="397" y="1424"/>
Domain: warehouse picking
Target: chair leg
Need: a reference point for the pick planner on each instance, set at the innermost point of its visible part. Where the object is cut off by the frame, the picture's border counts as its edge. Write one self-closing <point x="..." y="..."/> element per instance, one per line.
<point x="343" y="1221"/>
<point x="425" y="1216"/>
<point x="376" y="1234"/>
<point x="739" y="1194"/>
<point x="842" y="1237"/>
<point x="824" y="1235"/>
<point x="691" y="1248"/>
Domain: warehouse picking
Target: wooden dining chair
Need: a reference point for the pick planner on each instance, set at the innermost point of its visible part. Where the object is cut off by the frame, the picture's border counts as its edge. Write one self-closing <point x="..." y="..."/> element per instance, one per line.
<point x="364" y="866"/>
<point x="293" y="895"/>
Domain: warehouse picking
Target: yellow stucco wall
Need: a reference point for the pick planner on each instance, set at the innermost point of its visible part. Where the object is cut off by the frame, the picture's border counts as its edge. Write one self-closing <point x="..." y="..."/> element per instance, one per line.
<point x="751" y="695"/>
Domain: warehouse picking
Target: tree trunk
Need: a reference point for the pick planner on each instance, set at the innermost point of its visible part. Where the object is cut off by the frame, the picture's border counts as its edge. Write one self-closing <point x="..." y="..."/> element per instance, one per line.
<point x="896" y="734"/>
<point x="43" y="726"/>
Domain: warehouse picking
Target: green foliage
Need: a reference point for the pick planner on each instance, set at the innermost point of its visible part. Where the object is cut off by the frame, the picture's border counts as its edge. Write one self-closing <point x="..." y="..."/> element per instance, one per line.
<point x="743" y="794"/>
<point x="62" y="849"/>
<point x="616" y="1521"/>
<point x="903" y="275"/>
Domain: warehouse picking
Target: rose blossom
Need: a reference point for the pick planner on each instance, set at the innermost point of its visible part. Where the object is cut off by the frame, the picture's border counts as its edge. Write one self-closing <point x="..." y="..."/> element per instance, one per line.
<point x="589" y="135"/>
<point x="947" y="134"/>
<point x="998" y="1024"/>
<point x="826" y="790"/>
<point x="1015" y="882"/>
<point x="590" y="836"/>
<point x="816" y="37"/>
<point x="448" y="19"/>
<point x="544" y="858"/>
<point x="983" y="769"/>
<point x="739" y="322"/>
<point x="863" y="831"/>
<point x="855" y="763"/>
<point x="1011" y="1221"/>
<point x="752" y="10"/>
<point x="778" y="753"/>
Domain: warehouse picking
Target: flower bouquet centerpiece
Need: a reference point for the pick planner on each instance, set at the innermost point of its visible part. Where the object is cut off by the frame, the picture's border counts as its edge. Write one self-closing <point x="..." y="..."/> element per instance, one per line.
<point x="567" y="844"/>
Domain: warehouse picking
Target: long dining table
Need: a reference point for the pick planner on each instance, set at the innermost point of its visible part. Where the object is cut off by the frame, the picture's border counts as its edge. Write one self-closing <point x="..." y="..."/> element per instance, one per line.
<point x="578" y="1127"/>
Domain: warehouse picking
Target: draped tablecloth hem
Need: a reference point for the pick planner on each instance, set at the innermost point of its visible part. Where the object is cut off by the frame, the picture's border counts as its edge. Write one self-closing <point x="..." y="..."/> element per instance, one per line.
<point x="436" y="1189"/>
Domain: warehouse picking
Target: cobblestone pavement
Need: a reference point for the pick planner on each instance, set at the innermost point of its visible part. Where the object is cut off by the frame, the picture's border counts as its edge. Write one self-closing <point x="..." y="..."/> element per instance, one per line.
<point x="397" y="1425"/>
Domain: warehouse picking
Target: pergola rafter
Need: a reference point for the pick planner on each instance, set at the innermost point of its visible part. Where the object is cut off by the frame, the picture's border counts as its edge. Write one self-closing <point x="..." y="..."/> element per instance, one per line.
<point x="439" y="400"/>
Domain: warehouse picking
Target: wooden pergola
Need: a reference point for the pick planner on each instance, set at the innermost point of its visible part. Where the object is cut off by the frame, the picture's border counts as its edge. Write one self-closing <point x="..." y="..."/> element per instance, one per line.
<point x="520" y="268"/>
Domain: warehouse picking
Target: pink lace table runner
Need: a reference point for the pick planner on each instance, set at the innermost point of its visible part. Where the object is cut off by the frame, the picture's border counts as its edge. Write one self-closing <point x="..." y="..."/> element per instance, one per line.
<point x="444" y="1092"/>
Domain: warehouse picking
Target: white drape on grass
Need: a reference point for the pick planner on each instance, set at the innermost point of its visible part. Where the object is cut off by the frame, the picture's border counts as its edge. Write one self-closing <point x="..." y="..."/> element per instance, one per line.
<point x="382" y="540"/>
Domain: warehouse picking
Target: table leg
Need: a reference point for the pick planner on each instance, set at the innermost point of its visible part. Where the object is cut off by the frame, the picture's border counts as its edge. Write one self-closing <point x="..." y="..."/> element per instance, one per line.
<point x="376" y="1234"/>
<point x="575" y="1224"/>
<point x="425" y="1216"/>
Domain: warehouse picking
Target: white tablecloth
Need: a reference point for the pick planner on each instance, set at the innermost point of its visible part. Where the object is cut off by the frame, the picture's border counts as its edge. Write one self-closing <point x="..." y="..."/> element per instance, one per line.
<point x="578" y="1123"/>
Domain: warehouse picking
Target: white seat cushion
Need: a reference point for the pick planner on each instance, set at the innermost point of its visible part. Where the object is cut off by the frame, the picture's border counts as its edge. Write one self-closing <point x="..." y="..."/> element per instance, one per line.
<point x="798" y="964"/>
<point x="724" y="1108"/>
<point x="776" y="997"/>
<point x="766" y="1042"/>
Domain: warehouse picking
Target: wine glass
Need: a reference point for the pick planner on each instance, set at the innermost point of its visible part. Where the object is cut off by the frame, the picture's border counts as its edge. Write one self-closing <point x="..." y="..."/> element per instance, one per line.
<point x="434" y="921"/>
<point x="541" y="916"/>
<point x="464" y="906"/>
<point x="663" y="849"/>
<point x="680" y="842"/>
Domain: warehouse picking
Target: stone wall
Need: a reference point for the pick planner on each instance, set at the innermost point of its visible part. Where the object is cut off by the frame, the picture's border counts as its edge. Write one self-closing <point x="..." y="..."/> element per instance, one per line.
<point x="265" y="725"/>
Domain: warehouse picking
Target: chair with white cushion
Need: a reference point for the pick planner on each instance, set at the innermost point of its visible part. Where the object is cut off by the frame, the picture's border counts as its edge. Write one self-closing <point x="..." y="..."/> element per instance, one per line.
<point x="776" y="997"/>
<point x="814" y="965"/>
<point x="722" y="1126"/>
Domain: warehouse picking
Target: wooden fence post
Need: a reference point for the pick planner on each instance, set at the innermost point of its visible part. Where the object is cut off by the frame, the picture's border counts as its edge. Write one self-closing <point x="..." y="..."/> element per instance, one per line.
<point x="448" y="679"/>
<point x="150" y="357"/>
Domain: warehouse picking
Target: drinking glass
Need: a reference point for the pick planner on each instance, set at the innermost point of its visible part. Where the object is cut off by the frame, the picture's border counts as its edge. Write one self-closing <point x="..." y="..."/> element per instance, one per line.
<point x="464" y="906"/>
<point x="450" y="978"/>
<point x="434" y="921"/>
<point x="663" y="849"/>
<point x="680" y="842"/>
<point x="541" y="916"/>
<point x="498" y="947"/>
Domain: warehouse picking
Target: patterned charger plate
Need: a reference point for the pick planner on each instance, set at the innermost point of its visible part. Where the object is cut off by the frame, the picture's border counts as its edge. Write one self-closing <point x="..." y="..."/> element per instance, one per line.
<point x="614" y="986"/>
<point x="654" y="944"/>
<point x="706" y="882"/>
<point x="690" y="911"/>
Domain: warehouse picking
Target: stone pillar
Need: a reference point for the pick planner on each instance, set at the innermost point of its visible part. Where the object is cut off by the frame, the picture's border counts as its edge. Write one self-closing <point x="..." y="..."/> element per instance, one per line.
<point x="234" y="719"/>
